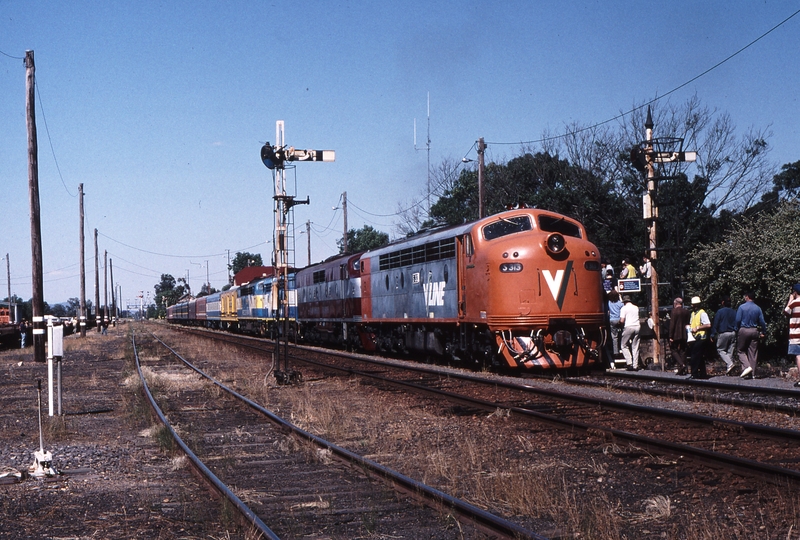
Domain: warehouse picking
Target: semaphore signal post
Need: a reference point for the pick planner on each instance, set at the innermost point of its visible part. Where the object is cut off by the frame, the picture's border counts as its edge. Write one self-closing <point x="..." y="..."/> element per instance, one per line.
<point x="650" y="152"/>
<point x="274" y="158"/>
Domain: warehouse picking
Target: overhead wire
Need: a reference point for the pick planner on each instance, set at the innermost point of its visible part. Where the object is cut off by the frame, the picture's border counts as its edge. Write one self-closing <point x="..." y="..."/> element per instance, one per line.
<point x="658" y="98"/>
<point x="179" y="256"/>
<point x="49" y="139"/>
<point x="11" y="56"/>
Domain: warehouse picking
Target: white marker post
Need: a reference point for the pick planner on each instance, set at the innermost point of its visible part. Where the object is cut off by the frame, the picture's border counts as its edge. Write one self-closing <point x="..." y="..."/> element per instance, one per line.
<point x="55" y="349"/>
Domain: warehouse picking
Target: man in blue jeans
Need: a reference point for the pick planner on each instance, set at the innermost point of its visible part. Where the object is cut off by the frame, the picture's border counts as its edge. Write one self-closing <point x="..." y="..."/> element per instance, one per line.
<point x="751" y="327"/>
<point x="723" y="333"/>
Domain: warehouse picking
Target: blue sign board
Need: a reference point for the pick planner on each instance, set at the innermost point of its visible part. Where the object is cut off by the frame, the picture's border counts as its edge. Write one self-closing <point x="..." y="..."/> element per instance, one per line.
<point x="629" y="285"/>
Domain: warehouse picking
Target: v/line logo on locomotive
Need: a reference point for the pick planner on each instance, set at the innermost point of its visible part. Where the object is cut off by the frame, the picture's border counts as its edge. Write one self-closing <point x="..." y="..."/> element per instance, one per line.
<point x="434" y="293"/>
<point x="558" y="284"/>
<point x="434" y="290"/>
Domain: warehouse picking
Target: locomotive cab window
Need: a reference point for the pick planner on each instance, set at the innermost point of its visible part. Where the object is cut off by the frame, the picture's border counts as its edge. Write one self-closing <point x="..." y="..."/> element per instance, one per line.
<point x="506" y="226"/>
<point x="559" y="225"/>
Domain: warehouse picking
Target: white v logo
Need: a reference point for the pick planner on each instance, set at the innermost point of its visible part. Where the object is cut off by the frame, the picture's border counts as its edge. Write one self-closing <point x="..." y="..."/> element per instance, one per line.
<point x="554" y="283"/>
<point x="558" y="285"/>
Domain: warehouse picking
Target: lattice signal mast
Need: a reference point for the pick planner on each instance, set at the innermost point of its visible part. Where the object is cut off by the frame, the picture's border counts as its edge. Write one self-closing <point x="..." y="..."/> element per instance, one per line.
<point x="274" y="158"/>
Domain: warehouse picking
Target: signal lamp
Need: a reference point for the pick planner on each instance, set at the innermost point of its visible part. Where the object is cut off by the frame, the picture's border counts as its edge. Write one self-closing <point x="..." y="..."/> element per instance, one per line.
<point x="270" y="159"/>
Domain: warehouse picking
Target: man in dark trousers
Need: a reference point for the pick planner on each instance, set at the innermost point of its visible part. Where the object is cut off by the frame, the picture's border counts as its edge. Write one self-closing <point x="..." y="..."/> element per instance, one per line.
<point x="678" y="321"/>
<point x="751" y="327"/>
<point x="700" y="325"/>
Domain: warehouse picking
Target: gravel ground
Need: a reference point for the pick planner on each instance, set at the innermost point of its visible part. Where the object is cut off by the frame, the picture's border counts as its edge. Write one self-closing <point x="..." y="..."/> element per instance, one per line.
<point x="123" y="486"/>
<point x="117" y="483"/>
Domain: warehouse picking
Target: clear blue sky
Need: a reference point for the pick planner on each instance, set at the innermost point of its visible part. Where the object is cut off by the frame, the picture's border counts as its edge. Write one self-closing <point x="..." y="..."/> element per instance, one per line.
<point x="160" y="109"/>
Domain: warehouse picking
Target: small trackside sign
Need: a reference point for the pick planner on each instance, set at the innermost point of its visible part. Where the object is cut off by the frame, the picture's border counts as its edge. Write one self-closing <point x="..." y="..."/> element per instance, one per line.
<point x="630" y="285"/>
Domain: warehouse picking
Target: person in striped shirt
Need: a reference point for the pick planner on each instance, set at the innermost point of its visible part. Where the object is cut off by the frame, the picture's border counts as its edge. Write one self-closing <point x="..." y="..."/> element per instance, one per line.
<point x="792" y="311"/>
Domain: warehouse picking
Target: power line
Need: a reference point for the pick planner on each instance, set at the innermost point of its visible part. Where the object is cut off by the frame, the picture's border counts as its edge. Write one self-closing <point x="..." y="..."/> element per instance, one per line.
<point x="50" y="140"/>
<point x="622" y="115"/>
<point x="11" y="56"/>
<point x="177" y="256"/>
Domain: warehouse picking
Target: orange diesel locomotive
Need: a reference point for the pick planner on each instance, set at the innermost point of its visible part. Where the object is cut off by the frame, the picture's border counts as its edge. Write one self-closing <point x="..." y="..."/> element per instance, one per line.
<point x="522" y="288"/>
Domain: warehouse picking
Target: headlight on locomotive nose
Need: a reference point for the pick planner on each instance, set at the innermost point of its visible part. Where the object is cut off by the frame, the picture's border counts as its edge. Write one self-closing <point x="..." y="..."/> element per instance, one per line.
<point x="510" y="268"/>
<point x="555" y="243"/>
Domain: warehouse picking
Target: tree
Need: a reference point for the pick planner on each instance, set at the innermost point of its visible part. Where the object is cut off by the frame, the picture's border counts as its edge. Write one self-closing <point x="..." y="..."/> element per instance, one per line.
<point x="545" y="181"/>
<point x="363" y="239"/>
<point x="168" y="292"/>
<point x="413" y="215"/>
<point x="73" y="307"/>
<point x="759" y="254"/>
<point x="59" y="310"/>
<point x="243" y="260"/>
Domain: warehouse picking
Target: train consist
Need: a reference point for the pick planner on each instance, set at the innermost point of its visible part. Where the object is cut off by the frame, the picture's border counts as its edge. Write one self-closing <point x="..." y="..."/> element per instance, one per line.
<point x="521" y="289"/>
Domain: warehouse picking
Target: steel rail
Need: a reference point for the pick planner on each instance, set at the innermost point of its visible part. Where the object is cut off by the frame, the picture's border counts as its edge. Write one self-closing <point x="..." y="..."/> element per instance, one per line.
<point x="438" y="499"/>
<point x="779" y="392"/>
<point x="777" y="433"/>
<point x="744" y="466"/>
<point x="748" y="467"/>
<point x="684" y="394"/>
<point x="244" y="511"/>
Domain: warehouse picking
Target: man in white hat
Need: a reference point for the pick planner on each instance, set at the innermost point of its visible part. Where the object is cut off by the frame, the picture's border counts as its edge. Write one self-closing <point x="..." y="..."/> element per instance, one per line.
<point x="629" y="319"/>
<point x="699" y="324"/>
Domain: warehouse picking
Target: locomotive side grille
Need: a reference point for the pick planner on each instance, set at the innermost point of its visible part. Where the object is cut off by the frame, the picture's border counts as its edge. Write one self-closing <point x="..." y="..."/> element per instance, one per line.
<point x="536" y="321"/>
<point x="541" y="321"/>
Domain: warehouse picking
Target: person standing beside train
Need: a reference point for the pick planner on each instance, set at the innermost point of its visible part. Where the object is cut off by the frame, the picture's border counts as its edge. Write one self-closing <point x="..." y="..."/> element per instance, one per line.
<point x="678" y="321"/>
<point x="723" y="333"/>
<point x="792" y="310"/>
<point x="646" y="268"/>
<point x="614" y="308"/>
<point x="699" y="324"/>
<point x="23" y="333"/>
<point x="628" y="271"/>
<point x="629" y="319"/>
<point x="751" y="326"/>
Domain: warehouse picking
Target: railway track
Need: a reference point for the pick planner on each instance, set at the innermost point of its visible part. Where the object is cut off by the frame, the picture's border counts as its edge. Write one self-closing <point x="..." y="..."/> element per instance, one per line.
<point x="782" y="400"/>
<point x="715" y="442"/>
<point x="262" y="465"/>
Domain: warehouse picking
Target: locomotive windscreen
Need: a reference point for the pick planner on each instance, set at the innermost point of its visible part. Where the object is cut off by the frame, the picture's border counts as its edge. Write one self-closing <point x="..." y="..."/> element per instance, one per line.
<point x="559" y="225"/>
<point x="506" y="226"/>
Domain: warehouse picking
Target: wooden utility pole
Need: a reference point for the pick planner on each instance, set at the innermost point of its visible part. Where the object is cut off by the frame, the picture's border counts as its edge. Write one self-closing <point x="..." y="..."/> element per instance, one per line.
<point x="656" y="151"/>
<point x="344" y="213"/>
<point x="105" y="285"/>
<point x="37" y="299"/>
<point x="11" y="315"/>
<point x="82" y="314"/>
<point x="481" y="188"/>
<point x="308" y="237"/>
<point x="651" y="216"/>
<point x="113" y="297"/>
<point x="97" y="285"/>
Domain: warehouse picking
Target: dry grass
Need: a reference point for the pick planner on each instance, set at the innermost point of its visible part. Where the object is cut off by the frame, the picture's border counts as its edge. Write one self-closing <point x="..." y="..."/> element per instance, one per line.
<point x="516" y="476"/>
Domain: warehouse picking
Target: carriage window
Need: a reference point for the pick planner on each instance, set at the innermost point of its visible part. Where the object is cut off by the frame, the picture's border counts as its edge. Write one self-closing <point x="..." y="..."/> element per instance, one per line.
<point x="559" y="225"/>
<point x="506" y="226"/>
